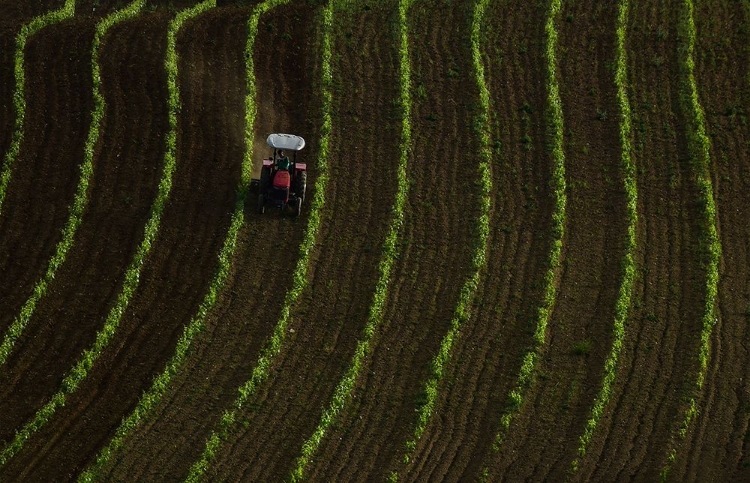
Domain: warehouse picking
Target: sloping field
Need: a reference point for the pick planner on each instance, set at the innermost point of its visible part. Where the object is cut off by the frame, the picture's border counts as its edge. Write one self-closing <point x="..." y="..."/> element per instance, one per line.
<point x="522" y="255"/>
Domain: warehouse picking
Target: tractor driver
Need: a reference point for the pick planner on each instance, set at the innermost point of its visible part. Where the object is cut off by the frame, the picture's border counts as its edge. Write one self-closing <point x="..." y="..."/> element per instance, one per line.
<point x="282" y="162"/>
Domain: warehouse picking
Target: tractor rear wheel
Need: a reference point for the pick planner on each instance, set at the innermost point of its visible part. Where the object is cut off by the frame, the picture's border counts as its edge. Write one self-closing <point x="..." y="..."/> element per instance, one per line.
<point x="301" y="184"/>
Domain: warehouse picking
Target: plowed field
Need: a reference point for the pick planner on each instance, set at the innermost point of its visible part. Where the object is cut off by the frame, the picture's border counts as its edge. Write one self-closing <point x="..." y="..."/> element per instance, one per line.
<point x="495" y="414"/>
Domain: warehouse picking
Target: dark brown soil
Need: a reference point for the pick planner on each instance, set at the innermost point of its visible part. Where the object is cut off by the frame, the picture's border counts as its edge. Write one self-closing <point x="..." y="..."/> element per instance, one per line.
<point x="488" y="353"/>
<point x="718" y="449"/>
<point x="538" y="445"/>
<point x="266" y="254"/>
<point x="333" y="310"/>
<point x="193" y="226"/>
<point x="659" y="359"/>
<point x="45" y="174"/>
<point x="436" y="242"/>
<point x="14" y="15"/>
<point x="658" y="362"/>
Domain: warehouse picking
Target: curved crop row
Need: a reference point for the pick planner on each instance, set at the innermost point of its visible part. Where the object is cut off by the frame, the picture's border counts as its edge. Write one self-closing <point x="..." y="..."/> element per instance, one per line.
<point x="299" y="281"/>
<point x="19" y="97"/>
<point x="463" y="311"/>
<point x="81" y="196"/>
<point x="79" y="372"/>
<point x="624" y="296"/>
<point x="525" y="377"/>
<point x="699" y="146"/>
<point x="343" y="391"/>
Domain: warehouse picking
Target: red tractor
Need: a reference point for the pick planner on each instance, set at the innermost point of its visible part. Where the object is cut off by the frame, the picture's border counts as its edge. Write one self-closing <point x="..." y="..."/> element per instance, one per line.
<point x="283" y="181"/>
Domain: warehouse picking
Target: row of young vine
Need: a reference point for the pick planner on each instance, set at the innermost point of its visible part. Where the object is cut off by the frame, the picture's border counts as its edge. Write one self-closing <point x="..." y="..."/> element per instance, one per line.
<point x="468" y="291"/>
<point x="554" y="113"/>
<point x="343" y="391"/>
<point x="700" y="156"/>
<point x="19" y="95"/>
<point x="79" y="371"/>
<point x="625" y="293"/>
<point x="230" y="418"/>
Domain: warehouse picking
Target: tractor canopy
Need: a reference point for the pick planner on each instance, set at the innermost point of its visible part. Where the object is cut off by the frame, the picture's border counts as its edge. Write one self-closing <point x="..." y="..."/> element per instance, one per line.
<point x="285" y="141"/>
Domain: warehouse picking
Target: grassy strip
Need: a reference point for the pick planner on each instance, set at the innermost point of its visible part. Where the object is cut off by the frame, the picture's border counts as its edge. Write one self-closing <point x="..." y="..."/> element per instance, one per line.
<point x="342" y="393"/>
<point x="299" y="281"/>
<point x="463" y="312"/>
<point x="699" y="146"/>
<point x="624" y="296"/>
<point x="19" y="97"/>
<point x="528" y="366"/>
<point x="81" y="196"/>
<point x="79" y="372"/>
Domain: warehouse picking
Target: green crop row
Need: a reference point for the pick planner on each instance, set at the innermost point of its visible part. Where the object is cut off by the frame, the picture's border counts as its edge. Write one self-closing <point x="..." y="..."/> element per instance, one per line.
<point x="342" y="393"/>
<point x="699" y="147"/>
<point x="19" y="96"/>
<point x="624" y="296"/>
<point x="81" y="196"/>
<point x="79" y="372"/>
<point x="74" y="221"/>
<point x="463" y="311"/>
<point x="528" y="366"/>
<point x="299" y="280"/>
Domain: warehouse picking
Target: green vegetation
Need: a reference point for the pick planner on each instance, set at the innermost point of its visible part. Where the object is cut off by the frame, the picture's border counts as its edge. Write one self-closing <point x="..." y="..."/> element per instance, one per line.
<point x="700" y="157"/>
<point x="19" y="96"/>
<point x="78" y="206"/>
<point x="344" y="389"/>
<point x="70" y="383"/>
<point x="528" y="366"/>
<point x="625" y="294"/>
<point x="463" y="312"/>
<point x="299" y="281"/>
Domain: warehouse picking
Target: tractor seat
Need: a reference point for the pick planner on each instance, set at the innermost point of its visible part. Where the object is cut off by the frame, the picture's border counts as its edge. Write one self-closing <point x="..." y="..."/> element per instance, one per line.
<point x="281" y="179"/>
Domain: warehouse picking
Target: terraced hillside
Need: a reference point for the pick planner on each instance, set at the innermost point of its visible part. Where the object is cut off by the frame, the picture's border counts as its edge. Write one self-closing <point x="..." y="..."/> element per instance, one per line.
<point x="523" y="251"/>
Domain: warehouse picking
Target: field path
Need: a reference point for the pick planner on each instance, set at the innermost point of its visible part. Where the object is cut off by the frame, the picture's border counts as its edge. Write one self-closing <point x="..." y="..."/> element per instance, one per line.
<point x="537" y="446"/>
<point x="659" y="356"/>
<point x="488" y="354"/>
<point x="435" y="250"/>
<point x="171" y="439"/>
<point x="719" y="449"/>
<point x="333" y="310"/>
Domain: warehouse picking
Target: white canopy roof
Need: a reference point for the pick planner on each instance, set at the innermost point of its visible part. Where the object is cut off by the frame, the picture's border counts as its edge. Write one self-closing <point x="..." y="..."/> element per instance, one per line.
<point x="285" y="141"/>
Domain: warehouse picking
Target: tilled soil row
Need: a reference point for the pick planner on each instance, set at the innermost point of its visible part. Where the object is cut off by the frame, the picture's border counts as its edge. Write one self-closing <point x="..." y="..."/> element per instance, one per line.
<point x="436" y="242"/>
<point x="15" y="15"/>
<point x="183" y="257"/>
<point x="539" y="446"/>
<point x="332" y="312"/>
<point x="658" y="362"/>
<point x="172" y="439"/>
<point x="44" y="176"/>
<point x="718" y="448"/>
<point x="488" y="353"/>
